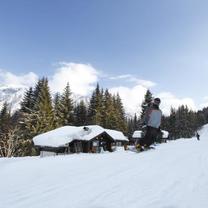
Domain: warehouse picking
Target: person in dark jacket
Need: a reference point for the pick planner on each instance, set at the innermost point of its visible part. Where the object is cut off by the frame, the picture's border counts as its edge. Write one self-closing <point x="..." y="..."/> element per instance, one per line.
<point x="197" y="136"/>
<point x="152" y="120"/>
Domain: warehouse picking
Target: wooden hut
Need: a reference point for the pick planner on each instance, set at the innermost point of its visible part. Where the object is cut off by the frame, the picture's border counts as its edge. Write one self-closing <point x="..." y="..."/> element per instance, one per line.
<point x="71" y="139"/>
<point x="137" y="135"/>
<point x="118" y="137"/>
<point x="162" y="136"/>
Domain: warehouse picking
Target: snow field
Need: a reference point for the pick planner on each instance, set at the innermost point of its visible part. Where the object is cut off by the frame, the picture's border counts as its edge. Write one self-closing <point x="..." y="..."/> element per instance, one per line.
<point x="174" y="175"/>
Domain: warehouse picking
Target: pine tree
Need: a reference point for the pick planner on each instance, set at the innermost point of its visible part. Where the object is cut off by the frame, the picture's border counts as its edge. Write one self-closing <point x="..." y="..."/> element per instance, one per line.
<point x="5" y="118"/>
<point x="45" y="113"/>
<point x="205" y="113"/>
<point x="57" y="109"/>
<point x="80" y="114"/>
<point x="27" y="103"/>
<point x="146" y="103"/>
<point x="165" y="125"/>
<point x="27" y="120"/>
<point x="200" y="119"/>
<point x="182" y="123"/>
<point x="56" y="101"/>
<point x="120" y="114"/>
<point x="110" y="116"/>
<point x="130" y="128"/>
<point x="133" y="124"/>
<point x="172" y="123"/>
<point x="66" y="107"/>
<point x="42" y="118"/>
<point x="95" y="109"/>
<point x="40" y="84"/>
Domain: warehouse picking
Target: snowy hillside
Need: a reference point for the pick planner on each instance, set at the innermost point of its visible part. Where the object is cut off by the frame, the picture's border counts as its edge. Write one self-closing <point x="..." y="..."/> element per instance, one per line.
<point x="11" y="95"/>
<point x="174" y="175"/>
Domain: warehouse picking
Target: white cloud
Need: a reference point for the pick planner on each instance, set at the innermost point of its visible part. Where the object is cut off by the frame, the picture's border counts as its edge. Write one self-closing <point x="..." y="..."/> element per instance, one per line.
<point x="169" y="100"/>
<point x="131" y="78"/>
<point x="131" y="97"/>
<point x="11" y="80"/>
<point x="81" y="77"/>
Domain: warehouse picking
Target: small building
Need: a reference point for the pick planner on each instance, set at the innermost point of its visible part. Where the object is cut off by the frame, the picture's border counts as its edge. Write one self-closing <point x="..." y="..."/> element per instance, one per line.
<point x="118" y="137"/>
<point x="72" y="139"/>
<point x="165" y="135"/>
<point x="137" y="135"/>
<point x="162" y="136"/>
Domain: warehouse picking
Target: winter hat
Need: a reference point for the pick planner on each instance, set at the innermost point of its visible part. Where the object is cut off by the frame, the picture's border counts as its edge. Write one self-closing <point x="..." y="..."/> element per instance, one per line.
<point x="156" y="101"/>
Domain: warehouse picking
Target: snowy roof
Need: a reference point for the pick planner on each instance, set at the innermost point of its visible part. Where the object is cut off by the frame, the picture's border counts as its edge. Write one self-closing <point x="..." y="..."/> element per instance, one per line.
<point x="57" y="137"/>
<point x="116" y="135"/>
<point x="137" y="134"/>
<point x="64" y="135"/>
<point x="165" y="134"/>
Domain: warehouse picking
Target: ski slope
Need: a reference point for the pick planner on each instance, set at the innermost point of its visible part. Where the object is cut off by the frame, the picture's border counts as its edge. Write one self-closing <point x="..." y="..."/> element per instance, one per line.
<point x="174" y="175"/>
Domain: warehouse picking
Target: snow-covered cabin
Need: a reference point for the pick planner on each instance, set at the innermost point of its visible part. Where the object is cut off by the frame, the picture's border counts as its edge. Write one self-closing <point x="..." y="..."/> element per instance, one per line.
<point x="138" y="134"/>
<point x="165" y="134"/>
<point x="71" y="139"/>
<point x="118" y="137"/>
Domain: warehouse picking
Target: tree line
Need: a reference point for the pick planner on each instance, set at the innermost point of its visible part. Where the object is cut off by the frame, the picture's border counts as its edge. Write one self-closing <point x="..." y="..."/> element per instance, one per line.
<point x="181" y="123"/>
<point x="41" y="112"/>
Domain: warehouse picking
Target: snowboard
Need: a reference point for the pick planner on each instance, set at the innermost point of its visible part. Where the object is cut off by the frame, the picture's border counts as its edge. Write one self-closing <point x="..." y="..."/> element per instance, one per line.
<point x="134" y="149"/>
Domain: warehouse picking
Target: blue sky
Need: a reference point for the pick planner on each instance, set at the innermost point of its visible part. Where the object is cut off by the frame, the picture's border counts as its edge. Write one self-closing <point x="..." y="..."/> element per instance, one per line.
<point x="164" y="41"/>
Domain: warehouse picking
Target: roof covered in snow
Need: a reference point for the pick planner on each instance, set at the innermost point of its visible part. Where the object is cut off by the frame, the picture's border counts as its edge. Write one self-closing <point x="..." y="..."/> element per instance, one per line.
<point x="165" y="134"/>
<point x="64" y="135"/>
<point x="137" y="134"/>
<point x="116" y="135"/>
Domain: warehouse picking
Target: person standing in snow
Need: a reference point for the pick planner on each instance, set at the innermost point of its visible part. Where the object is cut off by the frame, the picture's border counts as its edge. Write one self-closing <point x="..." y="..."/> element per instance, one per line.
<point x="197" y="136"/>
<point x="152" y="121"/>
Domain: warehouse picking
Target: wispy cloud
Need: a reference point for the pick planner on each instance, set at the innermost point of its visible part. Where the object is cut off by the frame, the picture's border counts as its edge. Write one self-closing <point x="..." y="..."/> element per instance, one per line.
<point x="132" y="78"/>
<point x="124" y="76"/>
<point x="146" y="83"/>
